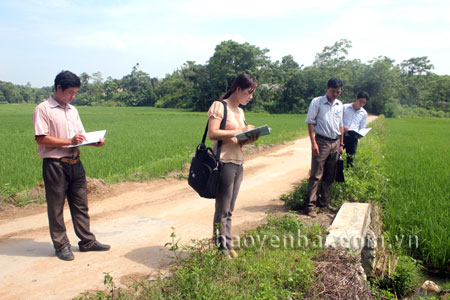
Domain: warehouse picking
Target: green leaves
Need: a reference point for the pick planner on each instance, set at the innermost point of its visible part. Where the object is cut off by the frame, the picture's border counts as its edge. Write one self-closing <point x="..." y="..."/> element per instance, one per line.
<point x="416" y="200"/>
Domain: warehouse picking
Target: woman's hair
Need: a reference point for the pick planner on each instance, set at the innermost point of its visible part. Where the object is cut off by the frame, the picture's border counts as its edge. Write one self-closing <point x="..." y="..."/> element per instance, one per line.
<point x="244" y="81"/>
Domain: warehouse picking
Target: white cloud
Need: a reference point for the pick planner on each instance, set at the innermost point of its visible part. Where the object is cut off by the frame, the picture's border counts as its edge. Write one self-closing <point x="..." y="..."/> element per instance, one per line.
<point x="118" y="45"/>
<point x="206" y="10"/>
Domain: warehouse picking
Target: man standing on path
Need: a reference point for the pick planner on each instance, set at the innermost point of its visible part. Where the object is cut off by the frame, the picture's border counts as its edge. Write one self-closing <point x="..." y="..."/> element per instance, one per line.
<point x="57" y="125"/>
<point x="355" y="118"/>
<point x="326" y="132"/>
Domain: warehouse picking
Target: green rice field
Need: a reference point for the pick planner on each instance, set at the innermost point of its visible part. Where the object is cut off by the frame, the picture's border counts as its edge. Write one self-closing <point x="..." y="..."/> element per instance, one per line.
<point x="142" y="142"/>
<point x="417" y="161"/>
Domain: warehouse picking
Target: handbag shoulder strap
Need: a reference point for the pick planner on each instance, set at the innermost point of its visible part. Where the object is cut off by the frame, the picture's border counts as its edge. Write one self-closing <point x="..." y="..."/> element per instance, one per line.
<point x="222" y="126"/>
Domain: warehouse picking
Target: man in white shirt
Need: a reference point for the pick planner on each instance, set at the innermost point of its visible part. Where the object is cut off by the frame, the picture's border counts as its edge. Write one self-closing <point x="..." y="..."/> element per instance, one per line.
<point x="355" y="118"/>
<point x="325" y="128"/>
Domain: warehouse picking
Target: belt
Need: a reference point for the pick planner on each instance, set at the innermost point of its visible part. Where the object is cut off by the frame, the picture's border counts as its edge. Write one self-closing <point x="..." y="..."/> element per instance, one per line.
<point x="326" y="138"/>
<point x="68" y="160"/>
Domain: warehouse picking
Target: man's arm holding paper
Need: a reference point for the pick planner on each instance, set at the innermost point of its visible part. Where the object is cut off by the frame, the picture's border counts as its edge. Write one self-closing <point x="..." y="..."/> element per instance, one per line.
<point x="94" y="138"/>
<point x="50" y="141"/>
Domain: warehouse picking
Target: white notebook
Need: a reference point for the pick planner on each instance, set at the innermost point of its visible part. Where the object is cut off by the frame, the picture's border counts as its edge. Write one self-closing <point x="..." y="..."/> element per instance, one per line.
<point x="91" y="138"/>
<point x="361" y="132"/>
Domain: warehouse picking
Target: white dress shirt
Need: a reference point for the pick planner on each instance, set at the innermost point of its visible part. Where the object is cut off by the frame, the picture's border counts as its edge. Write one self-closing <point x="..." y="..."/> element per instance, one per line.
<point x="354" y="120"/>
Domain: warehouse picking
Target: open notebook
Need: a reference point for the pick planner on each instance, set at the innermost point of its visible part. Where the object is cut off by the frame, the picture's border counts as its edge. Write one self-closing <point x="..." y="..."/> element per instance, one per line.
<point x="362" y="132"/>
<point x="91" y="138"/>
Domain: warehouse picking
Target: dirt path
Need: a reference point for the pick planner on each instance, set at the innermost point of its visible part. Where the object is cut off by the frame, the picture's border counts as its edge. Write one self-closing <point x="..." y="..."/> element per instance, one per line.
<point x="136" y="220"/>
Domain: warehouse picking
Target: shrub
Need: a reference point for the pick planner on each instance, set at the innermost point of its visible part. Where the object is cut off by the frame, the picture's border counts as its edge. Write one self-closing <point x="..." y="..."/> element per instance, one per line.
<point x="403" y="280"/>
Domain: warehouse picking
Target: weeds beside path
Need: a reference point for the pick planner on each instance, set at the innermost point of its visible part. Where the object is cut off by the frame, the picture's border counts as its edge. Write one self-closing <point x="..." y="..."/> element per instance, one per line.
<point x="268" y="267"/>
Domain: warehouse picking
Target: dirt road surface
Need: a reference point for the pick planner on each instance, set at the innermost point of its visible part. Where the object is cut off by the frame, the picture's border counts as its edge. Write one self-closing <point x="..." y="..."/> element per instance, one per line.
<point x="136" y="219"/>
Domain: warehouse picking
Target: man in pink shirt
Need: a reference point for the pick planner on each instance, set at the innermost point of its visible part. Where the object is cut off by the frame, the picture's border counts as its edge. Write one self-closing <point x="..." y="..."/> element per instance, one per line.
<point x="57" y="125"/>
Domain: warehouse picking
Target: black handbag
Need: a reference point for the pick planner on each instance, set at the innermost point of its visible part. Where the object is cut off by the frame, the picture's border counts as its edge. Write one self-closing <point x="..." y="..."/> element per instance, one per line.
<point x="340" y="170"/>
<point x="206" y="167"/>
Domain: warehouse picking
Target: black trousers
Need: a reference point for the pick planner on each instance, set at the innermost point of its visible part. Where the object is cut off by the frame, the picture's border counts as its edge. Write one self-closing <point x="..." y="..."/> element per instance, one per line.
<point x="61" y="180"/>
<point x="350" y="146"/>
<point x="230" y="183"/>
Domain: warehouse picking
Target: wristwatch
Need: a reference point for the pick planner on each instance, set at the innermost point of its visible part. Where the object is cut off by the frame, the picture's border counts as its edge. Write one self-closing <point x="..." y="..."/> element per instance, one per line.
<point x="342" y="145"/>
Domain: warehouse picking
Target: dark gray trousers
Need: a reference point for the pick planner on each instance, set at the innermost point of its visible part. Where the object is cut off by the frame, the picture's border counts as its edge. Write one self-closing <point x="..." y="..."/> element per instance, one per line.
<point x="61" y="180"/>
<point x="230" y="182"/>
<point x="323" y="167"/>
<point x="351" y="144"/>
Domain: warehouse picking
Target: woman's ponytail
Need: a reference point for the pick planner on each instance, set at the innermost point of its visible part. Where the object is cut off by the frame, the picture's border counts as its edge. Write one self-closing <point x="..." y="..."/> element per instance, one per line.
<point x="244" y="81"/>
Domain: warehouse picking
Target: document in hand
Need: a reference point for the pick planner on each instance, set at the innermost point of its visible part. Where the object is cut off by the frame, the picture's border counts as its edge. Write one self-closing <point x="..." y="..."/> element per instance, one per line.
<point x="262" y="130"/>
<point x="91" y="138"/>
<point x="362" y="132"/>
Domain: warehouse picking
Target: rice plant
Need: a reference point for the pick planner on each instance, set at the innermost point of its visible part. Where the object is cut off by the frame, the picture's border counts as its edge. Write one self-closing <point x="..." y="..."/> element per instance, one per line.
<point x="417" y="201"/>
<point x="142" y="142"/>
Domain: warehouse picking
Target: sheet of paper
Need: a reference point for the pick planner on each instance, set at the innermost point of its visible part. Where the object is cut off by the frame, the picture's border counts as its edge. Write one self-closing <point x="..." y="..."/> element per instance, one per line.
<point x="362" y="132"/>
<point x="91" y="138"/>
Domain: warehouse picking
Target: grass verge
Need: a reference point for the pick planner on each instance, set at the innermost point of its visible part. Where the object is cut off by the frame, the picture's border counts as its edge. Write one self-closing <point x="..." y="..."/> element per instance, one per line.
<point x="271" y="265"/>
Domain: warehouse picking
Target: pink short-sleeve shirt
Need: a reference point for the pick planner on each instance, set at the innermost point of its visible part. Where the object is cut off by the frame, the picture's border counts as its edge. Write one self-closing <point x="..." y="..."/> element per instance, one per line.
<point x="231" y="150"/>
<point x="53" y="119"/>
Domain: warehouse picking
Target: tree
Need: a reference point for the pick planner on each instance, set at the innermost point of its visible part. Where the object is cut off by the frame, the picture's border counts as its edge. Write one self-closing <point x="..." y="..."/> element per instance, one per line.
<point x="202" y="93"/>
<point x="437" y="93"/>
<point x="381" y="80"/>
<point x="176" y="92"/>
<point x="84" y="78"/>
<point x="288" y="64"/>
<point x="416" y="66"/>
<point x="11" y="93"/>
<point x="42" y="93"/>
<point x="333" y="62"/>
<point x="292" y="100"/>
<point x="415" y="80"/>
<point x="2" y="98"/>
<point x="27" y="93"/>
<point x="284" y="86"/>
<point x="97" y="77"/>
<point x="333" y="56"/>
<point x="110" y="86"/>
<point x="231" y="59"/>
<point x="90" y="93"/>
<point x="291" y="89"/>
<point x="137" y="89"/>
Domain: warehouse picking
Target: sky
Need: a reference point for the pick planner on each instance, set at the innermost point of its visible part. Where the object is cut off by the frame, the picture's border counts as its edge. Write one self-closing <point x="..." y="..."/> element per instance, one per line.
<point x="39" y="38"/>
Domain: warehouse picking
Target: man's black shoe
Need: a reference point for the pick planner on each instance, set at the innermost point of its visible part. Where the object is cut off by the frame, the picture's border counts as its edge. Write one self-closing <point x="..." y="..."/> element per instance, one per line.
<point x="329" y="208"/>
<point x="64" y="253"/>
<point x="96" y="246"/>
<point x="332" y="208"/>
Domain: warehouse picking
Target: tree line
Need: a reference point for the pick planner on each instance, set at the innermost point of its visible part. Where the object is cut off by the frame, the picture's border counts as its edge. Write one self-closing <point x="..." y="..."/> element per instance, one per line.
<point x="284" y="86"/>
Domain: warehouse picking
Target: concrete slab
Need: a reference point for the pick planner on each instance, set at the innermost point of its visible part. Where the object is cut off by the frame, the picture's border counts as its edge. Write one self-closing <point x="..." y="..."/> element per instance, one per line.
<point x="349" y="227"/>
